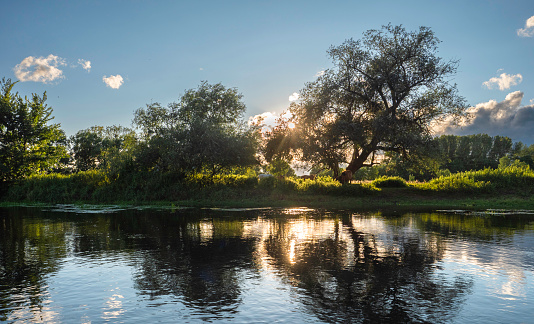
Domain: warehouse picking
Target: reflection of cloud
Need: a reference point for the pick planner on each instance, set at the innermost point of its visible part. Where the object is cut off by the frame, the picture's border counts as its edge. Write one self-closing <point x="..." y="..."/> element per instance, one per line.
<point x="506" y="118"/>
<point x="113" y="81"/>
<point x="504" y="81"/>
<point x="85" y="64"/>
<point x="40" y="69"/>
<point x="294" y="97"/>
<point x="528" y="31"/>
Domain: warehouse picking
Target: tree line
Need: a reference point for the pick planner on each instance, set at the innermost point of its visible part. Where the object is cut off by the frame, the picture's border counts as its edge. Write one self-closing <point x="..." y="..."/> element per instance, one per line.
<point x="375" y="108"/>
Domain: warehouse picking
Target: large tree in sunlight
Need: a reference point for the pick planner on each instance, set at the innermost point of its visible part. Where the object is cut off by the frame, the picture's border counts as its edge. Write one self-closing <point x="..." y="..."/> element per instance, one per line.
<point x="384" y="93"/>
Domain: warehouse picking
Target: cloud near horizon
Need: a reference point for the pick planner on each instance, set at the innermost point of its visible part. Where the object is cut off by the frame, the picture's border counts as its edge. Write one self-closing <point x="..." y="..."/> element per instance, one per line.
<point x="113" y="81"/>
<point x="505" y="118"/>
<point x="40" y="69"/>
<point x="504" y="81"/>
<point x="294" y="96"/>
<point x="528" y="31"/>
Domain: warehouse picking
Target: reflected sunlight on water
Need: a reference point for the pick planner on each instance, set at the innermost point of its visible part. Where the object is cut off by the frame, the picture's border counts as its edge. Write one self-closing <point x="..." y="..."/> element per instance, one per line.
<point x="268" y="265"/>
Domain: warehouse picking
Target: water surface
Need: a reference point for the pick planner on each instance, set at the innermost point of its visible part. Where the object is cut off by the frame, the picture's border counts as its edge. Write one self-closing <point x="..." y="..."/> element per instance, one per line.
<point x="64" y="265"/>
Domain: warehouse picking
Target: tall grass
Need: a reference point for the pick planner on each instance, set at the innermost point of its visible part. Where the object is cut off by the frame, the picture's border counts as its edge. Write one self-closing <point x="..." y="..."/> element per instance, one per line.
<point x="510" y="179"/>
<point x="58" y="188"/>
<point x="96" y="186"/>
<point x="320" y="186"/>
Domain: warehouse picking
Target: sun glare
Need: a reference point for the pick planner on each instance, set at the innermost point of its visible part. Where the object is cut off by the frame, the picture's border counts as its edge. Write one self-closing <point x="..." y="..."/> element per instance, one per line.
<point x="291" y="125"/>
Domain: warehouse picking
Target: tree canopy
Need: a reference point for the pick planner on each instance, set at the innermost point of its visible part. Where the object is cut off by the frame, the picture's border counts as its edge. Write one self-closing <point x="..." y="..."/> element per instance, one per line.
<point x="204" y="130"/>
<point x="384" y="94"/>
<point x="89" y="146"/>
<point x="28" y="142"/>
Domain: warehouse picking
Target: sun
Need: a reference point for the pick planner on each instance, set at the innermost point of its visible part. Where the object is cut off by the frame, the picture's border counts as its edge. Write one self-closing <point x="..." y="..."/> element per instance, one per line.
<point x="291" y="125"/>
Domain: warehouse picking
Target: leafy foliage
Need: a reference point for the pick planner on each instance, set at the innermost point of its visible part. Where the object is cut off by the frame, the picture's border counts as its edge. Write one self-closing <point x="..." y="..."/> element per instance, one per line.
<point x="383" y="94"/>
<point x="280" y="168"/>
<point x="390" y="182"/>
<point x="513" y="178"/>
<point x="205" y="130"/>
<point x="89" y="146"/>
<point x="28" y="142"/>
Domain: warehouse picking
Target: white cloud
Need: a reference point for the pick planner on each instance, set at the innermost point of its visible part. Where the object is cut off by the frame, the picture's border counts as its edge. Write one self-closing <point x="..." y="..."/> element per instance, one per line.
<point x="294" y="97"/>
<point x="40" y="69"/>
<point x="113" y="81"/>
<point x="85" y="64"/>
<point x="504" y="81"/>
<point x="506" y="118"/>
<point x="268" y="120"/>
<point x="528" y="31"/>
<point x="264" y="119"/>
<point x="320" y="73"/>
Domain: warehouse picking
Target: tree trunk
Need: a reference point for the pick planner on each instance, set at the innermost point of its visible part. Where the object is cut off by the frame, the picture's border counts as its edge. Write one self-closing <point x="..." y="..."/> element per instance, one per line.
<point x="357" y="161"/>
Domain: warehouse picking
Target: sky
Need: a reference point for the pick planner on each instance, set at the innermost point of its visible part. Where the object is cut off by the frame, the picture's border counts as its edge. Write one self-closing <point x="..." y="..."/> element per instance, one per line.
<point x="99" y="61"/>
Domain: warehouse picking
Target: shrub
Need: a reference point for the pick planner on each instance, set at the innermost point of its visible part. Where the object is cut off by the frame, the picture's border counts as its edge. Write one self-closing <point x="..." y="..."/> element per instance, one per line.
<point x="389" y="182"/>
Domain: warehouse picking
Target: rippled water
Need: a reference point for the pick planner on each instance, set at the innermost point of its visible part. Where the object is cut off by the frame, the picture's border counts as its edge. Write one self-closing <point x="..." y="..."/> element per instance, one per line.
<point x="66" y="265"/>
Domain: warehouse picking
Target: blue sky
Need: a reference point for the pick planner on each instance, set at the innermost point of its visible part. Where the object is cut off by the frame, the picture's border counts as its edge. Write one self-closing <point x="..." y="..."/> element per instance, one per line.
<point x="152" y="51"/>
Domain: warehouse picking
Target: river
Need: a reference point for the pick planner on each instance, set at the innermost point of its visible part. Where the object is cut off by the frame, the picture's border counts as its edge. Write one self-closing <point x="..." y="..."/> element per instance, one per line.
<point x="64" y="264"/>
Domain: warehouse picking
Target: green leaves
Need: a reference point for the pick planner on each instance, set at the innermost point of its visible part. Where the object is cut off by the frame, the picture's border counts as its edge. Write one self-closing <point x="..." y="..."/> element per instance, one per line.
<point x="28" y="142"/>
<point x="383" y="94"/>
<point x="203" y="131"/>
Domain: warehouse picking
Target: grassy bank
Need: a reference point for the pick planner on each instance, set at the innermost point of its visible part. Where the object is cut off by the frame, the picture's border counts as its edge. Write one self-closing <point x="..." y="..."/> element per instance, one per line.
<point x="510" y="188"/>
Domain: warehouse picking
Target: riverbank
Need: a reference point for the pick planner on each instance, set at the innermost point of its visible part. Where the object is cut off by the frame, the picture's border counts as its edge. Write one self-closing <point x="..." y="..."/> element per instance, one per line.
<point x="387" y="198"/>
<point x="507" y="188"/>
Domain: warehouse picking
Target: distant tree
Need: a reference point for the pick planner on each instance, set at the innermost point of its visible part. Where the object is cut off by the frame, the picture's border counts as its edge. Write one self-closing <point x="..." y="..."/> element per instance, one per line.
<point x="471" y="152"/>
<point x="523" y="153"/>
<point x="383" y="94"/>
<point x="88" y="146"/>
<point x="279" y="167"/>
<point x="203" y="131"/>
<point x="28" y="142"/>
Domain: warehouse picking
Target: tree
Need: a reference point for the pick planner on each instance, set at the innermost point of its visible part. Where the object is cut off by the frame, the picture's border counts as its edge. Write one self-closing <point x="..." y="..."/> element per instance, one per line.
<point x="203" y="131"/>
<point x="88" y="146"/>
<point x="280" y="168"/>
<point x="384" y="93"/>
<point x="28" y="142"/>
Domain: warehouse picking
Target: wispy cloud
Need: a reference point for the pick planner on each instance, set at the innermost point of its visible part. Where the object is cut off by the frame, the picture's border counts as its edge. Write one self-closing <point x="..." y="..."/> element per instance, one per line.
<point x="506" y="118"/>
<point x="528" y="31"/>
<point x="320" y="73"/>
<point x="113" y="81"/>
<point x="294" y="97"/>
<point x="503" y="81"/>
<point x="40" y="69"/>
<point x="85" y="64"/>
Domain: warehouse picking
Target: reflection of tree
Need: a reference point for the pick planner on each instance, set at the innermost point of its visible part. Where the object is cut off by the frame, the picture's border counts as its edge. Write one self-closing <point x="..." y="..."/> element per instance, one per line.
<point x="197" y="261"/>
<point x="349" y="268"/>
<point x="474" y="227"/>
<point x="30" y="248"/>
<point x="354" y="276"/>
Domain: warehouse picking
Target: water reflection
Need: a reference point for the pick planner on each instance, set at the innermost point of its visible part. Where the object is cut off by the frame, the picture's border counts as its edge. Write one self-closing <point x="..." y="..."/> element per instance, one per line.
<point x="269" y="264"/>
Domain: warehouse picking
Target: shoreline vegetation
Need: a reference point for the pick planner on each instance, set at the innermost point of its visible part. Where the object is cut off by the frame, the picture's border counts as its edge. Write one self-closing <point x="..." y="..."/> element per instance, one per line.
<point x="502" y="188"/>
<point x="367" y="118"/>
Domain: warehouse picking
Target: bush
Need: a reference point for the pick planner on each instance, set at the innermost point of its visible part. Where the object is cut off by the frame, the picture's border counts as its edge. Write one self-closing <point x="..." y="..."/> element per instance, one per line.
<point x="389" y="182"/>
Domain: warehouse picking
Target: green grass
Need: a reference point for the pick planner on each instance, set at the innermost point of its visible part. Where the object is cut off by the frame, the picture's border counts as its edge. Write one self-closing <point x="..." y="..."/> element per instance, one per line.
<point x="511" y="187"/>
